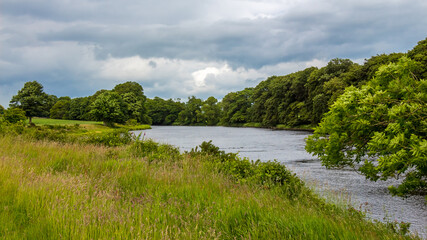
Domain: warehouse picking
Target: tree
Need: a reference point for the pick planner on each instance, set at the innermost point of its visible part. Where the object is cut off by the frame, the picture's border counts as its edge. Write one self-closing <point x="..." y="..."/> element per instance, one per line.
<point x="61" y="108"/>
<point x="109" y="107"/>
<point x="133" y="95"/>
<point x="50" y="102"/>
<point x="379" y="129"/>
<point x="2" y="109"/>
<point x="236" y="107"/>
<point x="419" y="54"/>
<point x="192" y="113"/>
<point x="319" y="82"/>
<point x="211" y="111"/>
<point x="31" y="99"/>
<point x="163" y="112"/>
<point x="80" y="108"/>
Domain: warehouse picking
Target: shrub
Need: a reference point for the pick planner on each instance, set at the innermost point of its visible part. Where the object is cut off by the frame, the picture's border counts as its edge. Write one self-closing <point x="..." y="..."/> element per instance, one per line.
<point x="268" y="174"/>
<point x="14" y="115"/>
<point x="132" y="122"/>
<point x="114" y="138"/>
<point x="154" y="151"/>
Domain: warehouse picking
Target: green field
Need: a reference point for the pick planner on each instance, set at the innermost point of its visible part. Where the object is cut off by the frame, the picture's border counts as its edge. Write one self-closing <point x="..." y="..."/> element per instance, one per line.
<point x="48" y="121"/>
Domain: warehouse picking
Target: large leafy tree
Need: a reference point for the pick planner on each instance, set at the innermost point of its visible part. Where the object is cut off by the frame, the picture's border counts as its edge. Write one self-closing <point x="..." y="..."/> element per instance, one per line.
<point x="379" y="129"/>
<point x="133" y="95"/>
<point x="109" y="107"/>
<point x="32" y="99"/>
<point x="1" y="109"/>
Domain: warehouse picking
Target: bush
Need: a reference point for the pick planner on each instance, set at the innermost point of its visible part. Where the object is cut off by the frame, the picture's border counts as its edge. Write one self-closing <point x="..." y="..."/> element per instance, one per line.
<point x="14" y="115"/>
<point x="114" y="138"/>
<point x="268" y="174"/>
<point x="154" y="151"/>
<point x="132" y="122"/>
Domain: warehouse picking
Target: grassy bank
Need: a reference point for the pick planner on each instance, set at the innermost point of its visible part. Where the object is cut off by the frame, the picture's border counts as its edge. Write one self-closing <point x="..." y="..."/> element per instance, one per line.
<point x="143" y="190"/>
<point x="87" y="125"/>
<point x="50" y="121"/>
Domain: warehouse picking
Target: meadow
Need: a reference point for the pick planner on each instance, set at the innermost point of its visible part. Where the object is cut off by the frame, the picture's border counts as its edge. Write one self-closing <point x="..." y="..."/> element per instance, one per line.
<point x="71" y="188"/>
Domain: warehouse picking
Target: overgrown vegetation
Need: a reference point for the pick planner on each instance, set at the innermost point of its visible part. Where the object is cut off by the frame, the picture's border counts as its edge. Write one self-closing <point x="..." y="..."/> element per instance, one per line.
<point x="140" y="189"/>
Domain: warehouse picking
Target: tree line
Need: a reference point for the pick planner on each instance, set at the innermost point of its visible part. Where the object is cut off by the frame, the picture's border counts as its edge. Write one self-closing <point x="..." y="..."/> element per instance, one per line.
<point x="297" y="99"/>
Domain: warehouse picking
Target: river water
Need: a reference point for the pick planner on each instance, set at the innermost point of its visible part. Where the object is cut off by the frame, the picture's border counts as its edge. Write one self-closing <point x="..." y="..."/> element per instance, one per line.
<point x="287" y="147"/>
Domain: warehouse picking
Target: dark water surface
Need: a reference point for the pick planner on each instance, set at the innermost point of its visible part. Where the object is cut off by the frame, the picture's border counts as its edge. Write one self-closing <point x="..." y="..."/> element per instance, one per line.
<point x="288" y="147"/>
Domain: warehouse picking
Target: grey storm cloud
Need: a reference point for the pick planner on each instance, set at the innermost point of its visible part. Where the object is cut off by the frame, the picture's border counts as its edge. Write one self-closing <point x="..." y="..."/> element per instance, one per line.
<point x="77" y="47"/>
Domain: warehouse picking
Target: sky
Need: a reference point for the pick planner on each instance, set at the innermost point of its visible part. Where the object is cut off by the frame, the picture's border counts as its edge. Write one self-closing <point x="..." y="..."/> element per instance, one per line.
<point x="176" y="49"/>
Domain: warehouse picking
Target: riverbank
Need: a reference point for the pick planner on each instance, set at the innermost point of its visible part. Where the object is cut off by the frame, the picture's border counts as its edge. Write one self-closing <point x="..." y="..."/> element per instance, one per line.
<point x="141" y="189"/>
<point x="307" y="128"/>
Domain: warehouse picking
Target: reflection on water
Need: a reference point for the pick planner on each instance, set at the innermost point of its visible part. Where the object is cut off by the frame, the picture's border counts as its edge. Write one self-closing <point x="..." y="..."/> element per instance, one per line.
<point x="288" y="147"/>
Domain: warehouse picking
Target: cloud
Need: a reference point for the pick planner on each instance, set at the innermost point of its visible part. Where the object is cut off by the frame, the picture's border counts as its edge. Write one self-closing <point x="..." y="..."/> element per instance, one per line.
<point x="181" y="48"/>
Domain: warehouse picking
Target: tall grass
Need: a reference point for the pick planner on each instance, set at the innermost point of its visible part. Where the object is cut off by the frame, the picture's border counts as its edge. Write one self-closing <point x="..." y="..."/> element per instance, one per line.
<point x="51" y="190"/>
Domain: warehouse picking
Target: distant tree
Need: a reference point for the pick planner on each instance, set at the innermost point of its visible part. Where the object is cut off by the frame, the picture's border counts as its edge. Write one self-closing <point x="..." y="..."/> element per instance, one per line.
<point x="109" y="107"/>
<point x="61" y="108"/>
<point x="163" y="112"/>
<point x="50" y="101"/>
<point x="80" y="108"/>
<point x="133" y="95"/>
<point x="31" y="99"/>
<point x="319" y="82"/>
<point x="130" y="87"/>
<point x="211" y="111"/>
<point x="379" y="129"/>
<point x="419" y="54"/>
<point x="236" y="107"/>
<point x="2" y="109"/>
<point x="371" y="65"/>
<point x="192" y="112"/>
<point x="14" y="115"/>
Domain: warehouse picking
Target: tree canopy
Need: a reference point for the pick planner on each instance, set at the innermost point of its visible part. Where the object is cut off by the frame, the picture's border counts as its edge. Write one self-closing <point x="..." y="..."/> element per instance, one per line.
<point x="379" y="129"/>
<point x="61" y="108"/>
<point x="32" y="99"/>
<point x="132" y="94"/>
<point x="109" y="107"/>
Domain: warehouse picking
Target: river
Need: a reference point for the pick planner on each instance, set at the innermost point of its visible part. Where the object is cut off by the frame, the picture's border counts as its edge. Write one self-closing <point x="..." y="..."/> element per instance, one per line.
<point x="287" y="147"/>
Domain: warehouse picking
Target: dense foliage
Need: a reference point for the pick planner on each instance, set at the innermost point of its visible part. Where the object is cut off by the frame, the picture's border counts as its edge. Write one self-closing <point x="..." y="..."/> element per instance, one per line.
<point x="380" y="129"/>
<point x="14" y="115"/>
<point x="109" y="107"/>
<point x="163" y="112"/>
